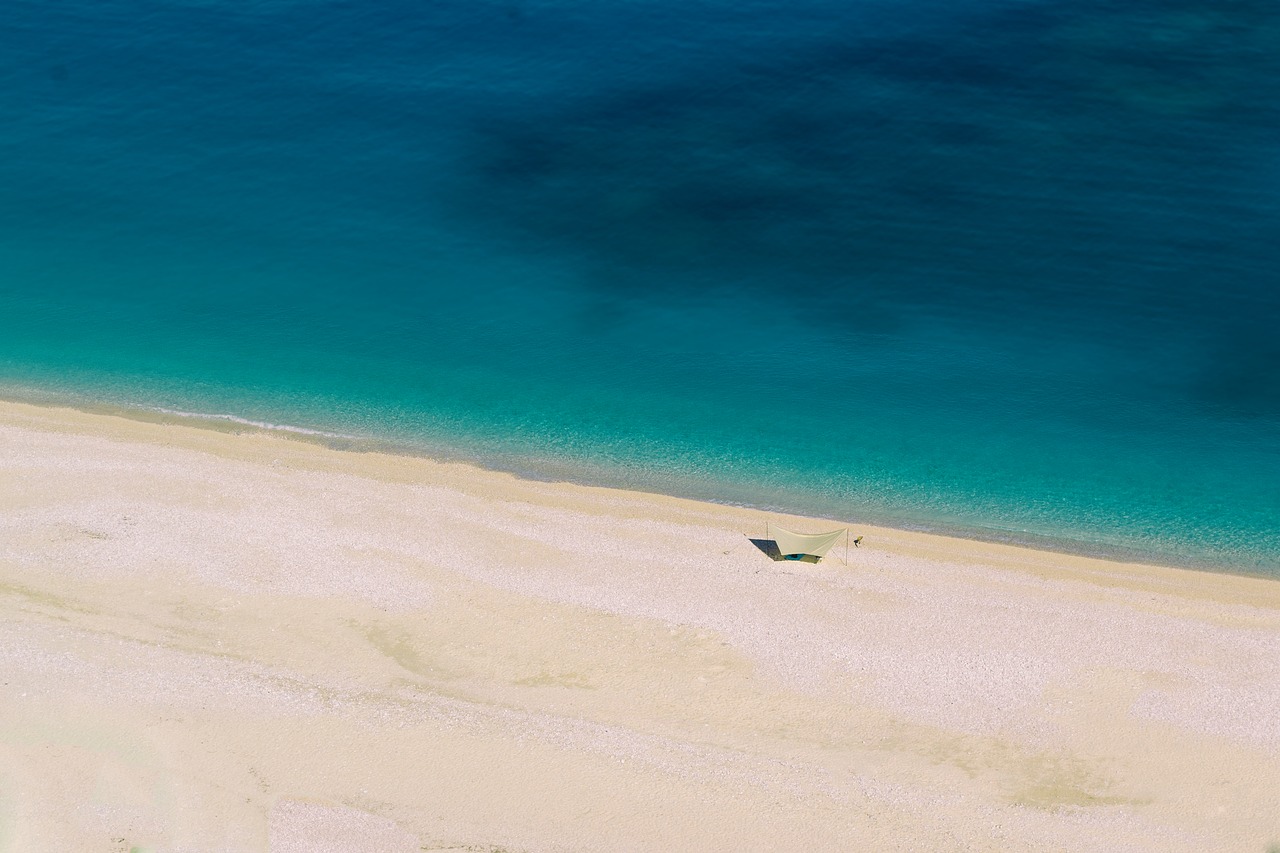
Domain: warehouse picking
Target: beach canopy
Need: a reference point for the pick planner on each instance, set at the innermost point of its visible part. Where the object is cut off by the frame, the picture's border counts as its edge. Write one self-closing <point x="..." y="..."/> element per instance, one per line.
<point x="806" y="544"/>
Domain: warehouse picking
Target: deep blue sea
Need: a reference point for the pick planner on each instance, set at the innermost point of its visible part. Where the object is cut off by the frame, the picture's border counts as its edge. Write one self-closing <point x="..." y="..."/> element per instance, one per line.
<point x="1002" y="268"/>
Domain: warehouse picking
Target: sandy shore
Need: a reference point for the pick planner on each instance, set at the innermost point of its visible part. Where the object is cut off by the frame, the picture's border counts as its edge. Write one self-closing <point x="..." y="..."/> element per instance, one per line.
<point x="220" y="642"/>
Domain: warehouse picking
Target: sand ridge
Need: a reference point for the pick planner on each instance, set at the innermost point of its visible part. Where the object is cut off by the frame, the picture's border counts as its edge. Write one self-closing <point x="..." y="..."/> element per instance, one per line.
<point x="221" y="641"/>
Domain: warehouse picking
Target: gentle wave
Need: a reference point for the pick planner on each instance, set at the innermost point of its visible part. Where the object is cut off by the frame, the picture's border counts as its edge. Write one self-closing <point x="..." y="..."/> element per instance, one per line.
<point x="262" y="425"/>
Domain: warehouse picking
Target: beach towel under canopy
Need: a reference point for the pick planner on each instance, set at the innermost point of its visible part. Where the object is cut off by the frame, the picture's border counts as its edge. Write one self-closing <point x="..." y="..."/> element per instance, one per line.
<point x="806" y="544"/>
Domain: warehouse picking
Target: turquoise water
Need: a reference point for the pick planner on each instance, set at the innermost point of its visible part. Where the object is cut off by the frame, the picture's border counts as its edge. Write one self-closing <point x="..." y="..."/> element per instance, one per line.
<point x="994" y="268"/>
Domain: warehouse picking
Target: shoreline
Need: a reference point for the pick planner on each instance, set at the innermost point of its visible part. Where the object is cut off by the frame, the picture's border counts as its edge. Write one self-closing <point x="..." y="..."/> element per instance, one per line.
<point x="250" y="642"/>
<point x="548" y="469"/>
<point x="922" y="540"/>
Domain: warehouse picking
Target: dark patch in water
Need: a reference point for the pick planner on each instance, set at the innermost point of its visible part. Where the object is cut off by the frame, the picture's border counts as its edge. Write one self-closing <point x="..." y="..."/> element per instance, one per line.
<point x="1242" y="376"/>
<point x="1048" y="166"/>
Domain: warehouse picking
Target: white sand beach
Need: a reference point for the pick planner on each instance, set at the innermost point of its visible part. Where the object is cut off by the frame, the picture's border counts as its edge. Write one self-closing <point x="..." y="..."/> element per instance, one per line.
<point x="245" y="642"/>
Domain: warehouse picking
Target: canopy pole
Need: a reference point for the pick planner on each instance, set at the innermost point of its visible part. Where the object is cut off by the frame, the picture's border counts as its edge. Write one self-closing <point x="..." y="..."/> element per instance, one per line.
<point x="846" y="546"/>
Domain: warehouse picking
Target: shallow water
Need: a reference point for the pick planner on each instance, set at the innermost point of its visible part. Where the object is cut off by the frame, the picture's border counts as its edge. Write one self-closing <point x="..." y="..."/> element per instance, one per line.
<point x="1001" y="269"/>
